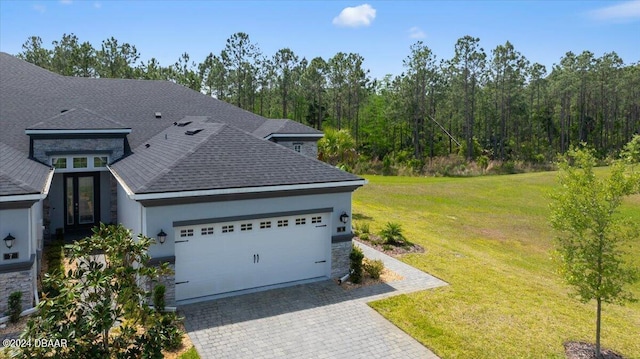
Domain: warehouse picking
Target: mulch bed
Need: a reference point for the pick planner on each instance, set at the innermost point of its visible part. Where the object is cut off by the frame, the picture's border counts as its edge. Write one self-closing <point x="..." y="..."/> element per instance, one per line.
<point x="394" y="251"/>
<point x="582" y="350"/>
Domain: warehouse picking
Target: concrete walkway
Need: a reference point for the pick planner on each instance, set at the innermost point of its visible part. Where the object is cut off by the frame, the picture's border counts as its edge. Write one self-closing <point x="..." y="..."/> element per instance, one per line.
<point x="313" y="320"/>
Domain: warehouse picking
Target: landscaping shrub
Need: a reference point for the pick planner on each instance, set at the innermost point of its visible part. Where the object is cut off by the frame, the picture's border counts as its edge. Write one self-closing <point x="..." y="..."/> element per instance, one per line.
<point x="356" y="258"/>
<point x="55" y="267"/>
<point x="15" y="307"/>
<point x="158" y="297"/>
<point x="373" y="267"/>
<point x="170" y="331"/>
<point x="391" y="234"/>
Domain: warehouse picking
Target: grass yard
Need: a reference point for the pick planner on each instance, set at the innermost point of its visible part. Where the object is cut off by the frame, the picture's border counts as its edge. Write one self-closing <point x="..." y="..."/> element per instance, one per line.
<point x="489" y="237"/>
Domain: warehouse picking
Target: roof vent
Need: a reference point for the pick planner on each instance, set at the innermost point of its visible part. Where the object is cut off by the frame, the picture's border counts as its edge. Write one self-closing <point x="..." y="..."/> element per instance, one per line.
<point x="182" y="123"/>
<point x="64" y="110"/>
<point x="158" y="114"/>
<point x="146" y="145"/>
<point x="193" y="131"/>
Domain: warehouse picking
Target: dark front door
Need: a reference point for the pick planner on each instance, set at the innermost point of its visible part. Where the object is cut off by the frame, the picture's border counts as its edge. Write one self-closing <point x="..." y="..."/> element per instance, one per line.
<point x="81" y="200"/>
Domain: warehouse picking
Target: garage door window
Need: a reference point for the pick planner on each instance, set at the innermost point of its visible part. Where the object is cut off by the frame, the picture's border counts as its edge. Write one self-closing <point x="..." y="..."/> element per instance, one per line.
<point x="186" y="233"/>
<point x="301" y="221"/>
<point x="227" y="229"/>
<point x="265" y="225"/>
<point x="316" y="219"/>
<point x="206" y="231"/>
<point x="246" y="226"/>
<point x="283" y="223"/>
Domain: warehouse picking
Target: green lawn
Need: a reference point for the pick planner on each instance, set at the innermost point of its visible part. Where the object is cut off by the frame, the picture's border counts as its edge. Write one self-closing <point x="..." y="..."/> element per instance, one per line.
<point x="489" y="238"/>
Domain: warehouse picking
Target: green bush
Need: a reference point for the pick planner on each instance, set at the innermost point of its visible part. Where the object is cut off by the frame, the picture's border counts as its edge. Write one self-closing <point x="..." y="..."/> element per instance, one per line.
<point x="15" y="307"/>
<point x="55" y="267"/>
<point x="356" y="258"/>
<point x="158" y="297"/>
<point x="373" y="267"/>
<point x="391" y="234"/>
<point x="170" y="331"/>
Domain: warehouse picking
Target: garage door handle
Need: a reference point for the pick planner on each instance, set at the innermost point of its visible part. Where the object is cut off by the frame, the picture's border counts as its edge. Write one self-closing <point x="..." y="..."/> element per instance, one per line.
<point x="183" y="282"/>
<point x="321" y="261"/>
<point x="181" y="241"/>
<point x="322" y="225"/>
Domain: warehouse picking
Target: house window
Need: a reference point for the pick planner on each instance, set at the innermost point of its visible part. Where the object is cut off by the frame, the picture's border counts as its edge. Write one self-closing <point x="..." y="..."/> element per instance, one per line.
<point x="79" y="162"/>
<point x="316" y="219"/>
<point x="100" y="162"/>
<point x="227" y="229"/>
<point x="283" y="223"/>
<point x="265" y="225"/>
<point x="186" y="233"/>
<point x="297" y="147"/>
<point x="301" y="221"/>
<point x="246" y="226"/>
<point x="59" y="162"/>
<point x="206" y="231"/>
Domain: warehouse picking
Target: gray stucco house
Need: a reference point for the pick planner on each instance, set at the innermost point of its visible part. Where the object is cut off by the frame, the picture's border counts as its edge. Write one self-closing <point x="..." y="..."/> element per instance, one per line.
<point x="242" y="199"/>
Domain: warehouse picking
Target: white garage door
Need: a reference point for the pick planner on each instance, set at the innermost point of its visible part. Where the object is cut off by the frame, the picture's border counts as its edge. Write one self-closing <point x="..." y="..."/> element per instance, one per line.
<point x="224" y="257"/>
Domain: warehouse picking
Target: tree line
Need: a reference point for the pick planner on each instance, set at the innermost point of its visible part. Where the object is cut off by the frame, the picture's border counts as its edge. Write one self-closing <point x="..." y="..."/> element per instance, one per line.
<point x="494" y="104"/>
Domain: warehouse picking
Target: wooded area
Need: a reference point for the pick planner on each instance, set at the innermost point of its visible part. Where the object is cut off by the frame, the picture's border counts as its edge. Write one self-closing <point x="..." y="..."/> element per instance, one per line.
<point x="497" y="105"/>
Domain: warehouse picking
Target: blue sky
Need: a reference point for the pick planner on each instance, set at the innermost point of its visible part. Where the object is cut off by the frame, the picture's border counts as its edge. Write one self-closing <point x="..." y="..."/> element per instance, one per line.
<point x="380" y="31"/>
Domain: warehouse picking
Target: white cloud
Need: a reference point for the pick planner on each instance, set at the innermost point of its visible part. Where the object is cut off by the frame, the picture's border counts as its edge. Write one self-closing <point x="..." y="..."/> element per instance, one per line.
<point x="39" y="8"/>
<point x="97" y="5"/>
<point x="361" y="15"/>
<point x="66" y="2"/>
<point x="416" y="33"/>
<point x="624" y="11"/>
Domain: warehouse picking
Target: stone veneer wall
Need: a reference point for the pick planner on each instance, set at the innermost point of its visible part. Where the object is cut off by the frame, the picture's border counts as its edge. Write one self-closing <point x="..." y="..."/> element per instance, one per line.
<point x="340" y="258"/>
<point x="113" y="145"/>
<point x="20" y="281"/>
<point x="169" y="282"/>
<point x="308" y="148"/>
<point x="113" y="184"/>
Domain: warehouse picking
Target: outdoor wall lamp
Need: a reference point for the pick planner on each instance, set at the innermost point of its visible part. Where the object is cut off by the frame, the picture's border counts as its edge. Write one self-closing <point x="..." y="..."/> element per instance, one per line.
<point x="8" y="240"/>
<point x="344" y="217"/>
<point x="162" y="236"/>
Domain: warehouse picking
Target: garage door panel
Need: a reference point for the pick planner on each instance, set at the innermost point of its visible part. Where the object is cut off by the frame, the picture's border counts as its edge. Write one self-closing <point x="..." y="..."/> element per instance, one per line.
<point x="225" y="257"/>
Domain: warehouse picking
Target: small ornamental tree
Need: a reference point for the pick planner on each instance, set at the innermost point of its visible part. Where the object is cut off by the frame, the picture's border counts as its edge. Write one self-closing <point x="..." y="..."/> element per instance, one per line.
<point x="591" y="231"/>
<point x="101" y="309"/>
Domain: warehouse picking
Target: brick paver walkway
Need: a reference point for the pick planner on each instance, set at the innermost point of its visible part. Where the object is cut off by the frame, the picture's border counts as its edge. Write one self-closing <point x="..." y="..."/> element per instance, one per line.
<point x="314" y="320"/>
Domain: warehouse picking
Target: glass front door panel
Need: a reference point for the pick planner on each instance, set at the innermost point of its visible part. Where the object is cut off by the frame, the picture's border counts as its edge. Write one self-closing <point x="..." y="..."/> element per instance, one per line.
<point x="70" y="202"/>
<point x="85" y="200"/>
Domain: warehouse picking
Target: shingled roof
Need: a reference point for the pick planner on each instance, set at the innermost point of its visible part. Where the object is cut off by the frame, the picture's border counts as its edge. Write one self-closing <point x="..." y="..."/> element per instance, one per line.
<point x="228" y="151"/>
<point x="218" y="156"/>
<point x="19" y="175"/>
<point x="284" y="126"/>
<point x="81" y="119"/>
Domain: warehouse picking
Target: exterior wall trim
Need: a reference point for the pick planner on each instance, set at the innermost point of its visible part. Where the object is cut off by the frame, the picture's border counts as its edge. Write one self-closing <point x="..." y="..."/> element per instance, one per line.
<point x="342" y="238"/>
<point x="223" y="191"/>
<point x="315" y="136"/>
<point x="17" y="267"/>
<point x="243" y="196"/>
<point x="250" y="216"/>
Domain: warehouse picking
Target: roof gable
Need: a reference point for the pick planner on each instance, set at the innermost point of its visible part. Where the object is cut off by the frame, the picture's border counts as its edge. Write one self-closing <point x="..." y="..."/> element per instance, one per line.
<point x="77" y="119"/>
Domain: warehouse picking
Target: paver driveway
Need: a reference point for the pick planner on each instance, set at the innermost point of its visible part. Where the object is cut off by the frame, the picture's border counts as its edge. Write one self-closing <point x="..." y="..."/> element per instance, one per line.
<point x="314" y="320"/>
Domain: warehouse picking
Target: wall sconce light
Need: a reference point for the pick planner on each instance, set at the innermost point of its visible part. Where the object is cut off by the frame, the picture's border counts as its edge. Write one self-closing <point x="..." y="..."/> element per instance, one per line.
<point x="162" y="236"/>
<point x="344" y="217"/>
<point x="8" y="240"/>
